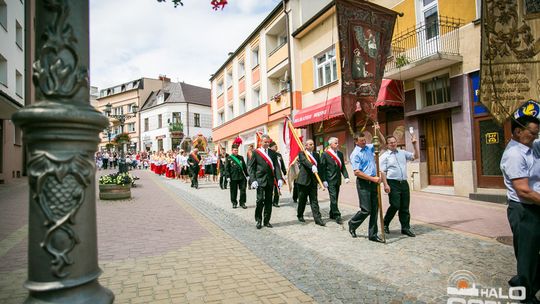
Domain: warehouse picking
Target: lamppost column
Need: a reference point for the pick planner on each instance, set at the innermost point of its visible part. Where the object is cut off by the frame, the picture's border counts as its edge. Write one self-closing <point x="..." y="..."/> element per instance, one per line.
<point x="61" y="133"/>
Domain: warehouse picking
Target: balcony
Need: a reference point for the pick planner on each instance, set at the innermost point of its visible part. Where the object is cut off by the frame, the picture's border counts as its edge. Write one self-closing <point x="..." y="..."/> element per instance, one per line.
<point x="424" y="48"/>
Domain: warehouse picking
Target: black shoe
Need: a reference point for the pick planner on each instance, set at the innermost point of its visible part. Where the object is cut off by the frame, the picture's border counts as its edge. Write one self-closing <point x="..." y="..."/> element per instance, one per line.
<point x="386" y="229"/>
<point x="339" y="220"/>
<point x="275" y="205"/>
<point x="376" y="239"/>
<point x="259" y="225"/>
<point x="268" y="225"/>
<point x="408" y="232"/>
<point x="320" y="223"/>
<point x="243" y="206"/>
<point x="301" y="219"/>
<point x="351" y="230"/>
<point x="234" y="206"/>
<point x="331" y="217"/>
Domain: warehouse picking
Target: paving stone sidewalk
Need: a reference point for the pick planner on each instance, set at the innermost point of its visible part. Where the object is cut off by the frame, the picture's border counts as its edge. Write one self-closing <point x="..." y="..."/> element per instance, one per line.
<point x="154" y="248"/>
<point x="330" y="266"/>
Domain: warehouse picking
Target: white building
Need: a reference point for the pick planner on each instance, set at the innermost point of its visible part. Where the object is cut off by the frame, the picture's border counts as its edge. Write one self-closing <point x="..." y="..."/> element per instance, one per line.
<point x="175" y="115"/>
<point x="11" y="86"/>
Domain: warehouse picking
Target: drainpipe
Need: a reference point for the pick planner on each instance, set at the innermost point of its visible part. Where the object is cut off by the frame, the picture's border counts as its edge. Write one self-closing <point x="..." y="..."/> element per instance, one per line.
<point x="187" y="119"/>
<point x="289" y="54"/>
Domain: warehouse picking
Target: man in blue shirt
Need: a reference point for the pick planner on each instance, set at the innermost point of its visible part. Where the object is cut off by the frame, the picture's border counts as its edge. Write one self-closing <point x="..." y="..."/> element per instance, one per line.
<point x="520" y="165"/>
<point x="393" y="164"/>
<point x="365" y="169"/>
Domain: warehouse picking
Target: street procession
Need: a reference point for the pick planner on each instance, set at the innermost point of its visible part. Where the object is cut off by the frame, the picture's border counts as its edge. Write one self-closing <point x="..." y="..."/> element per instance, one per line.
<point x="278" y="151"/>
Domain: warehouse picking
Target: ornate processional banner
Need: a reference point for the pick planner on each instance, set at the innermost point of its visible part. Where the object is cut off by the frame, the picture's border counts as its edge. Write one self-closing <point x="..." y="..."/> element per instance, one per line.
<point x="510" y="69"/>
<point x="365" y="35"/>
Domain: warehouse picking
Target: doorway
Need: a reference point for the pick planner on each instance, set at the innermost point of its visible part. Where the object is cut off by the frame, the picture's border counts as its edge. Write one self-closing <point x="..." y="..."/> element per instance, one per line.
<point x="490" y="142"/>
<point x="439" y="148"/>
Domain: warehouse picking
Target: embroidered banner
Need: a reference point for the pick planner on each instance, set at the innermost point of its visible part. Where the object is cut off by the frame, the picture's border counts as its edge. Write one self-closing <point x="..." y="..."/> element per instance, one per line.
<point x="510" y="63"/>
<point x="365" y="34"/>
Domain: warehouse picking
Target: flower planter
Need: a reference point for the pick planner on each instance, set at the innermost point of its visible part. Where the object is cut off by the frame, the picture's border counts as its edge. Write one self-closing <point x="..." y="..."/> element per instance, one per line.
<point x="114" y="192"/>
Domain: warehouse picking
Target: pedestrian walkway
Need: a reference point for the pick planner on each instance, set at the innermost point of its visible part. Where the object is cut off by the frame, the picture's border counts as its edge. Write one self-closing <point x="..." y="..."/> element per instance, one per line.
<point x="154" y="248"/>
<point x="174" y="244"/>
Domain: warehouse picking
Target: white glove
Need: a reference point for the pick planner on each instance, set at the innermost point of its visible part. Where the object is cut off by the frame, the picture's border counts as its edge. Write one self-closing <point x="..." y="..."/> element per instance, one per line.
<point x="279" y="183"/>
<point x="314" y="169"/>
<point x="325" y="183"/>
<point x="228" y="179"/>
<point x="347" y="180"/>
<point x="254" y="185"/>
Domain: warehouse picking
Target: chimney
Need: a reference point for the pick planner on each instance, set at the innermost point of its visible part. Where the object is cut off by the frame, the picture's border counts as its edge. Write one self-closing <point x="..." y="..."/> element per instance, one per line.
<point x="164" y="78"/>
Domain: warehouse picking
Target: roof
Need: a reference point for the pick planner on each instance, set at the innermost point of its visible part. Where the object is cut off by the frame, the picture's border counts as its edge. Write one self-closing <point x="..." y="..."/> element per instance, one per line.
<point x="179" y="92"/>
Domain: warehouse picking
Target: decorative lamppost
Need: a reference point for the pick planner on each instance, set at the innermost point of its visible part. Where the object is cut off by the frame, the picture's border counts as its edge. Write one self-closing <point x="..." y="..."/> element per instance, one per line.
<point x="122" y="166"/>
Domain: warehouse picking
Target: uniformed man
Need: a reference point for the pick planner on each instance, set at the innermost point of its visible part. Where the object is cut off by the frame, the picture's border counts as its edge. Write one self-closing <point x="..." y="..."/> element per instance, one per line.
<point x="264" y="174"/>
<point x="333" y="166"/>
<point x="281" y="165"/>
<point x="365" y="169"/>
<point x="236" y="173"/>
<point x="307" y="183"/>
<point x="520" y="166"/>
<point x="194" y="166"/>
<point x="393" y="164"/>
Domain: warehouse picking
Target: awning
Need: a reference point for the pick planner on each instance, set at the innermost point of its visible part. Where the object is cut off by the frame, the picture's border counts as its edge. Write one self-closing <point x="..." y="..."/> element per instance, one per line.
<point x="319" y="112"/>
<point x="391" y="93"/>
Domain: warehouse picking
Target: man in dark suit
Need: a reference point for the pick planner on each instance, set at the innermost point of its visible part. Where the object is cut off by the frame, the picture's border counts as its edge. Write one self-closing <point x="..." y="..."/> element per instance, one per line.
<point x="307" y="183"/>
<point x="236" y="173"/>
<point x="194" y="166"/>
<point x="264" y="173"/>
<point x="281" y="165"/>
<point x="333" y="166"/>
<point x="223" y="169"/>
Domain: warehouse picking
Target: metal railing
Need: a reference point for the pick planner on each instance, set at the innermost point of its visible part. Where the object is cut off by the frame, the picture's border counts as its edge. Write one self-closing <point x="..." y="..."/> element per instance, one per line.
<point x="425" y="40"/>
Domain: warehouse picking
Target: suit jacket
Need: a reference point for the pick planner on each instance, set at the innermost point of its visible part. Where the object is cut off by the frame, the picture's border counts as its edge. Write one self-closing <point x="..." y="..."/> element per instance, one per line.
<point x="194" y="163"/>
<point x="222" y="165"/>
<point x="260" y="171"/>
<point x="306" y="177"/>
<point x="332" y="171"/>
<point x="233" y="170"/>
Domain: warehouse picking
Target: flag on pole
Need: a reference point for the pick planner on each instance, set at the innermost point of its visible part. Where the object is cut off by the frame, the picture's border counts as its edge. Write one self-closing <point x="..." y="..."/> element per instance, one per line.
<point x="294" y="148"/>
<point x="259" y="139"/>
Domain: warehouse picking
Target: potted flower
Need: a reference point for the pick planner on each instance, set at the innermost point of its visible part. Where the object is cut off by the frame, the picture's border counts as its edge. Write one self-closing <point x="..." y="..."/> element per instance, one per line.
<point x="115" y="186"/>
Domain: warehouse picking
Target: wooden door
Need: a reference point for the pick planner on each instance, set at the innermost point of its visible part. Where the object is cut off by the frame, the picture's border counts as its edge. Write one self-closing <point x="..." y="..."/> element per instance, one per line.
<point x="440" y="152"/>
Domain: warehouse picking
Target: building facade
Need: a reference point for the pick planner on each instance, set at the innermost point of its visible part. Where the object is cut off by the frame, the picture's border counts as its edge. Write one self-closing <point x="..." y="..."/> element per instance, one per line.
<point x="251" y="90"/>
<point x="12" y="87"/>
<point x="122" y="97"/>
<point x="173" y="116"/>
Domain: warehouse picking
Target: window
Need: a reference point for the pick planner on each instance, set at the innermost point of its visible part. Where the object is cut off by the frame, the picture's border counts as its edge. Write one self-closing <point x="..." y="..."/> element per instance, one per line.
<point x="242" y="104"/>
<point x="118" y="130"/>
<point x="430" y="18"/>
<point x="325" y="67"/>
<point x="219" y="88"/>
<point x="241" y="69"/>
<point x="18" y="34"/>
<point x="176" y="117"/>
<point x="118" y="110"/>
<point x="255" y="57"/>
<point x="3" y="70"/>
<point x="18" y="83"/>
<point x="130" y="107"/>
<point x="229" y="78"/>
<point x="160" y="99"/>
<point x="230" y="112"/>
<point x="197" y="120"/>
<point x="221" y="118"/>
<point x="131" y="127"/>
<point x="17" y="136"/>
<point x="256" y="97"/>
<point x="436" y="90"/>
<point x="3" y="14"/>
<point x="146" y="124"/>
<point x="160" y="121"/>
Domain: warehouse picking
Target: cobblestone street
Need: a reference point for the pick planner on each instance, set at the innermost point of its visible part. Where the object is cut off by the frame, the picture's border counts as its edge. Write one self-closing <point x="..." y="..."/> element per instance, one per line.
<point x="172" y="244"/>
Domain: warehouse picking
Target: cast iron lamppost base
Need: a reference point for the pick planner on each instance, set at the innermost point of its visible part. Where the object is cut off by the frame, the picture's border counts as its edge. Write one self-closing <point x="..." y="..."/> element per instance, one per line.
<point x="61" y="133"/>
<point x="122" y="166"/>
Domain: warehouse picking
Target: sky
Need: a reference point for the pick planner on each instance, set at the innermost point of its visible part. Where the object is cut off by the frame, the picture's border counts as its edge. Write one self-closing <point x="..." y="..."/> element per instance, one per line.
<point x="130" y="39"/>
